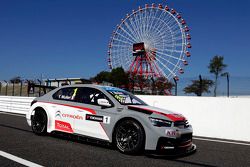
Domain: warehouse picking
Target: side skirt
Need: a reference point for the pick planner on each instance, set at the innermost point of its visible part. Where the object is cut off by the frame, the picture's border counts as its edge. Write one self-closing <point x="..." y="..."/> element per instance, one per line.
<point x="80" y="138"/>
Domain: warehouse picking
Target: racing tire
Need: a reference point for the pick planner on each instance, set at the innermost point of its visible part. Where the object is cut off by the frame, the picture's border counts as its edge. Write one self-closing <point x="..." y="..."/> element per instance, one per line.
<point x="129" y="137"/>
<point x="39" y="122"/>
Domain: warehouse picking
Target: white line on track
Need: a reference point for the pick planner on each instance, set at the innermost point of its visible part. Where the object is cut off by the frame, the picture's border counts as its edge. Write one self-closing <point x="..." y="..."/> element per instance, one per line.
<point x="19" y="115"/>
<point x="19" y="160"/>
<point x="222" y="141"/>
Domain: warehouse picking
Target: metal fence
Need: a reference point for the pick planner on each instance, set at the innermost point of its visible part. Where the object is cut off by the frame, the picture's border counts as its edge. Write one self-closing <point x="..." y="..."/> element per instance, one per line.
<point x="24" y="88"/>
<point x="35" y="88"/>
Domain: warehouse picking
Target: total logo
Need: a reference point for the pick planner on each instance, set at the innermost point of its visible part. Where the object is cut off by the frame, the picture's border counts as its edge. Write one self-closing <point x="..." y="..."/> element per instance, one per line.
<point x="63" y="126"/>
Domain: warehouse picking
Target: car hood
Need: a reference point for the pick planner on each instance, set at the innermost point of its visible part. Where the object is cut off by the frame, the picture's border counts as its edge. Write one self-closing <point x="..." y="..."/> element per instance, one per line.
<point x="155" y="110"/>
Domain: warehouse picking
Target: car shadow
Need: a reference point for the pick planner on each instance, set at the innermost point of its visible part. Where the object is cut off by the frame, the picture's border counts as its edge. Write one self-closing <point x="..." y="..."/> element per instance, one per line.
<point x="81" y="139"/>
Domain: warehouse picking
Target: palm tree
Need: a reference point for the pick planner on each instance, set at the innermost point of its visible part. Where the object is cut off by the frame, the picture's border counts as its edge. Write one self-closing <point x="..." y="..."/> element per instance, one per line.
<point x="199" y="86"/>
<point x="216" y="67"/>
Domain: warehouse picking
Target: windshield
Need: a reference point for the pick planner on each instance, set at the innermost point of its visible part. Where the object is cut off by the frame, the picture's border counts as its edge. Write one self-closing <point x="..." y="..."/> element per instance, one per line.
<point x="125" y="98"/>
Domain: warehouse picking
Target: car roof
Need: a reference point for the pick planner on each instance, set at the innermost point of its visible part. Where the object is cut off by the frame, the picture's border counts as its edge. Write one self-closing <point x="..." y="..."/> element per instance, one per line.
<point x="107" y="88"/>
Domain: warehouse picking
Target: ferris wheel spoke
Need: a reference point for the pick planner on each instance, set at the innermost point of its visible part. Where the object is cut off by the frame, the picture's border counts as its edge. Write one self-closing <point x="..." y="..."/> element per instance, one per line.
<point x="132" y="30"/>
<point x="177" y="58"/>
<point x="151" y="21"/>
<point x="158" y="61"/>
<point x="177" y="65"/>
<point x="145" y="24"/>
<point x="129" y="39"/>
<point x="162" y="51"/>
<point x="159" y="20"/>
<point x="138" y="24"/>
<point x="135" y="27"/>
<point x="122" y="41"/>
<point x="126" y="32"/>
<point x="121" y="44"/>
<point x="133" y="22"/>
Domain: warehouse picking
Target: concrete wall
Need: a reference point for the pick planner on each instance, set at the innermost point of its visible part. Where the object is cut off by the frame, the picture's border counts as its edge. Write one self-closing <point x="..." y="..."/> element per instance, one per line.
<point x="225" y="118"/>
<point x="220" y="117"/>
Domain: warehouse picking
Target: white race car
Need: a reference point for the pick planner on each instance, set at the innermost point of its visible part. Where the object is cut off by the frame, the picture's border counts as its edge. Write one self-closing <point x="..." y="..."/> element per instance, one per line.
<point x="113" y="115"/>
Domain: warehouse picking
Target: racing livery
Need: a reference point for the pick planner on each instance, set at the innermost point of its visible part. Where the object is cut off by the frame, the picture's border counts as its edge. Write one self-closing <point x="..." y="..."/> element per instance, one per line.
<point x="113" y="115"/>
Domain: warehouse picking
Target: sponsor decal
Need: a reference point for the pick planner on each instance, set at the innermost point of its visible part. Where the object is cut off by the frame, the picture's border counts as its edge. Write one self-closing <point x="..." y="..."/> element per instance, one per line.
<point x="98" y="118"/>
<point x="171" y="133"/>
<point x="58" y="114"/>
<point x="63" y="126"/>
<point x="106" y="119"/>
<point x="72" y="116"/>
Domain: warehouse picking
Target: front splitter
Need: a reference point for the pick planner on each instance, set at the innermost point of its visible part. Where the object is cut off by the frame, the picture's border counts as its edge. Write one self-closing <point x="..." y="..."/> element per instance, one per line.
<point x="177" y="154"/>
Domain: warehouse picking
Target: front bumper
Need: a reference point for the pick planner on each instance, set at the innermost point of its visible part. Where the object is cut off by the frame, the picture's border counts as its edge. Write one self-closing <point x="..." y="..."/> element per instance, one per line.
<point x="175" y="147"/>
<point x="170" y="148"/>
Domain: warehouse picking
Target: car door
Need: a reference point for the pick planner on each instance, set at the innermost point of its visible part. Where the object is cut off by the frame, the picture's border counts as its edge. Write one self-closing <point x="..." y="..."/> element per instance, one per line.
<point x="64" y="108"/>
<point x="94" y="115"/>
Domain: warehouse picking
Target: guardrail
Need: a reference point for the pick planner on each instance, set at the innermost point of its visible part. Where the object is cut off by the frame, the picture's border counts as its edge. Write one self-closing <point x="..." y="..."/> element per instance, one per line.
<point x="15" y="104"/>
<point x="225" y="118"/>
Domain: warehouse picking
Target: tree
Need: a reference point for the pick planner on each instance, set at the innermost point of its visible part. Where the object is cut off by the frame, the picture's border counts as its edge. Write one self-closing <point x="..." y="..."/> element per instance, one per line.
<point x="15" y="80"/>
<point x="216" y="67"/>
<point x="163" y="86"/>
<point x="102" y="76"/>
<point x="140" y="82"/>
<point x="119" y="77"/>
<point x="199" y="86"/>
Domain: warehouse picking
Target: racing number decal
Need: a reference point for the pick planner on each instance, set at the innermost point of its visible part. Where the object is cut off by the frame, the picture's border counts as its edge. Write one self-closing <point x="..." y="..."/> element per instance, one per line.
<point x="98" y="118"/>
<point x="106" y="119"/>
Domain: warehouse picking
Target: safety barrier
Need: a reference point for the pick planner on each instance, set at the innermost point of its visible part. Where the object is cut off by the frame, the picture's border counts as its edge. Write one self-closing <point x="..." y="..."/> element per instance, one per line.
<point x="225" y="118"/>
<point x="15" y="104"/>
<point x="216" y="117"/>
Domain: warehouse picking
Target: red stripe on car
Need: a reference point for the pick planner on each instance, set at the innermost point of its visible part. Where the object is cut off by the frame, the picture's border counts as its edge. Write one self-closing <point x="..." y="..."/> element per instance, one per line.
<point x="173" y="117"/>
<point x="78" y="107"/>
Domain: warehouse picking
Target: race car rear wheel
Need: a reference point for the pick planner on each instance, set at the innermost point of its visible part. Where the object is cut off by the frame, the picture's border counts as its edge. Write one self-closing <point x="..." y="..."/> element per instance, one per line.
<point x="39" y="122"/>
<point x="129" y="137"/>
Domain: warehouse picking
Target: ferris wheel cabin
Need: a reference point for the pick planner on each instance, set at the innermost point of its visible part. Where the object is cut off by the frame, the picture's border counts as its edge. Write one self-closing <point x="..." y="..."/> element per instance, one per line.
<point x="139" y="49"/>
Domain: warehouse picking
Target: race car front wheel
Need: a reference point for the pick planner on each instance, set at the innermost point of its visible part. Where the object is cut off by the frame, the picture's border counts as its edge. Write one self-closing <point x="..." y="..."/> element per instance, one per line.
<point x="39" y="122"/>
<point x="129" y="137"/>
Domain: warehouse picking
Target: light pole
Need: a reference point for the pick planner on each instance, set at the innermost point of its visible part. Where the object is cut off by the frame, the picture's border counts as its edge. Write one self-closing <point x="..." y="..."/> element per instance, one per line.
<point x="175" y="81"/>
<point x="227" y="84"/>
<point x="226" y="74"/>
<point x="200" y="91"/>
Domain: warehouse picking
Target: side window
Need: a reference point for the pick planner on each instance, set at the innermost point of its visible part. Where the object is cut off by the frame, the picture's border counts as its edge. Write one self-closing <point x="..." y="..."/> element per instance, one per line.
<point x="90" y="96"/>
<point x="68" y="94"/>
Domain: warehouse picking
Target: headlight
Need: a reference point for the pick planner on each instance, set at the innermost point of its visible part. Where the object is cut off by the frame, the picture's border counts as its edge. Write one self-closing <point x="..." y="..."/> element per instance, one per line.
<point x="160" y="122"/>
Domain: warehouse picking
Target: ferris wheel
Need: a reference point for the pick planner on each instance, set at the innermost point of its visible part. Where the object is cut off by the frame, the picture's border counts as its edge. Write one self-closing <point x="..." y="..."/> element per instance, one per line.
<point x="152" y="41"/>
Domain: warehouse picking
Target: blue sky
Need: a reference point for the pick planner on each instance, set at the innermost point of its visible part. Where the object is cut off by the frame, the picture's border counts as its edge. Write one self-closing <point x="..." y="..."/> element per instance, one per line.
<point x="63" y="38"/>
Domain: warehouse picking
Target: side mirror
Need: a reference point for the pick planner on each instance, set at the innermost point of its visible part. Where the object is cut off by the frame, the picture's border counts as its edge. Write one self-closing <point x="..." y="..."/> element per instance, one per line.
<point x="103" y="102"/>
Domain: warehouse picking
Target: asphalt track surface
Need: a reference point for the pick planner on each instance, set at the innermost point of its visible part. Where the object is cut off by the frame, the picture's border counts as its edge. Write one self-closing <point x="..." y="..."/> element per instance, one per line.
<point x="16" y="138"/>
